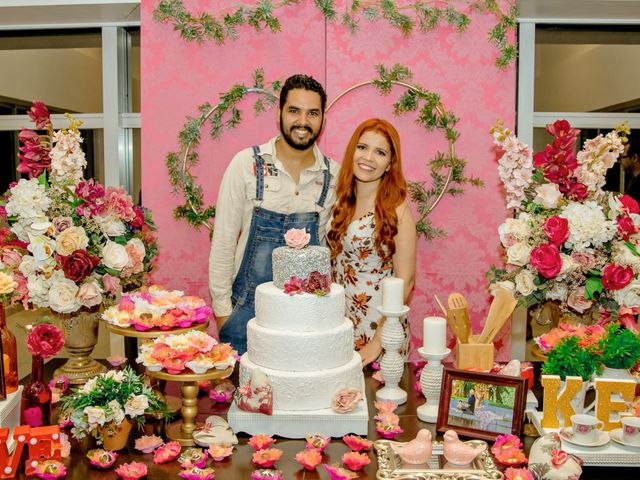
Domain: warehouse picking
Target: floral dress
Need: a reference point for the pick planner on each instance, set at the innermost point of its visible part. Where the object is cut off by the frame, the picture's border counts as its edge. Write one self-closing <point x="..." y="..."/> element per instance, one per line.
<point x="359" y="268"/>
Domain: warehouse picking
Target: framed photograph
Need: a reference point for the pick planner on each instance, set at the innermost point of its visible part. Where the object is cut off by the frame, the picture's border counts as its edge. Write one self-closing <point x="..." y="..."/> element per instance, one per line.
<point x="481" y="405"/>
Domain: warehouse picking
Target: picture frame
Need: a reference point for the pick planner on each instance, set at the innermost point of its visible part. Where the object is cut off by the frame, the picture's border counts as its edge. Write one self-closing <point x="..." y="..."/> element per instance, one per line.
<point x="481" y="405"/>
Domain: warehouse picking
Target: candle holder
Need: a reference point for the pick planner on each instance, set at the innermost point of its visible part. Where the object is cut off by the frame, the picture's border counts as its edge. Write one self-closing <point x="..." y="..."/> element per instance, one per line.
<point x="431" y="384"/>
<point x="392" y="363"/>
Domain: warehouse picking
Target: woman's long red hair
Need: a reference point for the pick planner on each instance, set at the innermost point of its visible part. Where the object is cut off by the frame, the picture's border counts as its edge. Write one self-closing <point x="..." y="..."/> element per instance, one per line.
<point x="392" y="191"/>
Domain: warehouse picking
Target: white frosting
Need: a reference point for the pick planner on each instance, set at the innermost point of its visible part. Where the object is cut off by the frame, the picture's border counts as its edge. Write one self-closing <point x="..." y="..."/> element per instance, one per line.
<point x="300" y="351"/>
<point x="304" y="312"/>
<point x="307" y="390"/>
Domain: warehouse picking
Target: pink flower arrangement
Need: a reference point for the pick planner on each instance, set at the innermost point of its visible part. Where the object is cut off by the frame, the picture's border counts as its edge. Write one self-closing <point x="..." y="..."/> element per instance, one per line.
<point x="518" y="474"/>
<point x="148" y="443"/>
<point x="265" y="458"/>
<point x="355" y="460"/>
<point x="261" y="441"/>
<point x="154" y="307"/>
<point x="193" y="457"/>
<point x="317" y="284"/>
<point x="337" y="473"/>
<point x="222" y="392"/>
<point x="346" y="400"/>
<point x="102" y="459"/>
<point x="49" y="470"/>
<point x="220" y="452"/>
<point x="309" y="458"/>
<point x="356" y="443"/>
<point x="266" y="474"/>
<point x="197" y="351"/>
<point x="317" y="442"/>
<point x="297" y="238"/>
<point x="167" y="452"/>
<point x="507" y="450"/>
<point x="45" y="340"/>
<point x="131" y="471"/>
<point x="588" y="335"/>
<point x="196" y="473"/>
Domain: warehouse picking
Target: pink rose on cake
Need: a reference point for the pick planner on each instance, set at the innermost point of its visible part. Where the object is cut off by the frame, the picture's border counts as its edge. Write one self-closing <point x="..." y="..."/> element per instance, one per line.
<point x="297" y="238"/>
<point x="346" y="400"/>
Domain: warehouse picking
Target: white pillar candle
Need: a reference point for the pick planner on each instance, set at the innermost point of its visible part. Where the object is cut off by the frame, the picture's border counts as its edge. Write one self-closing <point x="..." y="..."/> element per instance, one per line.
<point x="434" y="335"/>
<point x="392" y="294"/>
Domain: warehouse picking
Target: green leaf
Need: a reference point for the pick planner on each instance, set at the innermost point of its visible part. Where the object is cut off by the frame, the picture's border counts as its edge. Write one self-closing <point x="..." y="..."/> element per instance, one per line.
<point x="633" y="248"/>
<point x="592" y="286"/>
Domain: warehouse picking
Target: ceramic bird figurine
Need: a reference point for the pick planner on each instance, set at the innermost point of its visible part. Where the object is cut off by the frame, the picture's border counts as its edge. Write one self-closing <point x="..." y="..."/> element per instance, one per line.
<point x="458" y="452"/>
<point x="416" y="451"/>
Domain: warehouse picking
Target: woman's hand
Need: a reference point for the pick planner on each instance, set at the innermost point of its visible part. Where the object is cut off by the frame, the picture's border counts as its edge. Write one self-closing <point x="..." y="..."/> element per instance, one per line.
<point x="371" y="351"/>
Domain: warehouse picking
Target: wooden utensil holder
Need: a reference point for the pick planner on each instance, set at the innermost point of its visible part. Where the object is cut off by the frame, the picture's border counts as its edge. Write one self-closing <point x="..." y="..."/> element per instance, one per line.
<point x="474" y="355"/>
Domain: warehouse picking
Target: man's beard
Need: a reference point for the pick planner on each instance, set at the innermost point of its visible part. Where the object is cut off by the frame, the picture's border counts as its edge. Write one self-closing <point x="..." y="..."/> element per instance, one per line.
<point x="299" y="146"/>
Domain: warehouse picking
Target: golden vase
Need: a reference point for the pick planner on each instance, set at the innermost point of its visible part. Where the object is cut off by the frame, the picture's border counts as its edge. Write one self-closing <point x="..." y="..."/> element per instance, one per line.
<point x="115" y="437"/>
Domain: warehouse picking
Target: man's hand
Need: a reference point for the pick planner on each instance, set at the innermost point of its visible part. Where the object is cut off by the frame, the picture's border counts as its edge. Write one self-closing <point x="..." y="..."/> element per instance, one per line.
<point x="370" y="352"/>
<point x="220" y="321"/>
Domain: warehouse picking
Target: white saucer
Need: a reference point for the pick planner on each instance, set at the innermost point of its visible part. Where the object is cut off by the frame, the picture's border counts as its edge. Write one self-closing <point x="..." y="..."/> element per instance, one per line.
<point x="616" y="436"/>
<point x="567" y="435"/>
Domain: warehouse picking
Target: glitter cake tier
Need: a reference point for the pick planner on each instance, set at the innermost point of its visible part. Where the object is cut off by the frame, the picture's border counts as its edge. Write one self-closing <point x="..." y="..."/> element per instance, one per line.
<point x="293" y="262"/>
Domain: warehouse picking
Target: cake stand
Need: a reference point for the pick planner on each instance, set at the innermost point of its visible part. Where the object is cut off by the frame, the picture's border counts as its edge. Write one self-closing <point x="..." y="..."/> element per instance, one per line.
<point x="182" y="431"/>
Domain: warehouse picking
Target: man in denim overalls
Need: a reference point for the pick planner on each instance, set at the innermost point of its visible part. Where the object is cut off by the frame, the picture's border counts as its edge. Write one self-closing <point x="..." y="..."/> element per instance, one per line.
<point x="266" y="190"/>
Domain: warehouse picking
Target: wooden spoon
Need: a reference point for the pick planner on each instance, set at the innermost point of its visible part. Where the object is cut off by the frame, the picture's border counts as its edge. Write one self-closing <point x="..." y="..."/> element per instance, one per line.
<point x="501" y="308"/>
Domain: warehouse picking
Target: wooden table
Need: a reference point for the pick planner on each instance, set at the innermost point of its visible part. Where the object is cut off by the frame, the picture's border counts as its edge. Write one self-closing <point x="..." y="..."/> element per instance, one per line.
<point x="239" y="466"/>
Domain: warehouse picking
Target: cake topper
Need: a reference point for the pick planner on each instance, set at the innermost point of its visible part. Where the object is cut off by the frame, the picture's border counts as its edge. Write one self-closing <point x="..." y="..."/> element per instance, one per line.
<point x="297" y="238"/>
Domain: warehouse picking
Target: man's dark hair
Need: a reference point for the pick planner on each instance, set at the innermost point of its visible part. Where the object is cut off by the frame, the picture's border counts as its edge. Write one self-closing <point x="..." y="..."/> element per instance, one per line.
<point x="304" y="82"/>
<point x="633" y="140"/>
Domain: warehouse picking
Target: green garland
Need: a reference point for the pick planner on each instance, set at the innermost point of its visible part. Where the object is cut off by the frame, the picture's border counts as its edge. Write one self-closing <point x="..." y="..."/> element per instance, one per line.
<point x="226" y="115"/>
<point x="421" y="14"/>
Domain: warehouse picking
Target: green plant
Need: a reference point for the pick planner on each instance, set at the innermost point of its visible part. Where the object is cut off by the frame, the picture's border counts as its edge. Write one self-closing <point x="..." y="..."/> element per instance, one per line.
<point x="569" y="359"/>
<point x="620" y="347"/>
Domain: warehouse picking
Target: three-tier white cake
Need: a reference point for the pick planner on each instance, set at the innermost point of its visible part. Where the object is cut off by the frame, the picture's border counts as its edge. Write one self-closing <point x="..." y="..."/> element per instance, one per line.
<point x="304" y="344"/>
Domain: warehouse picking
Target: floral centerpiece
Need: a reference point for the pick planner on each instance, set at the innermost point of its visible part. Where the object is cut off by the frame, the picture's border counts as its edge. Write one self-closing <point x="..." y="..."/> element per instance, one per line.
<point x="108" y="404"/>
<point x="71" y="243"/>
<point x="154" y="307"/>
<point x="195" y="350"/>
<point x="570" y="241"/>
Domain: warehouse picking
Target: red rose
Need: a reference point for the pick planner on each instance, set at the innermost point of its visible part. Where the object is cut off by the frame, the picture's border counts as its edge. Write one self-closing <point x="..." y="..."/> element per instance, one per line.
<point x="615" y="277"/>
<point x="574" y="190"/>
<point x="626" y="228"/>
<point x="629" y="204"/>
<point x="546" y="259"/>
<point x="79" y="265"/>
<point x="45" y="340"/>
<point x="138" y="221"/>
<point x="557" y="230"/>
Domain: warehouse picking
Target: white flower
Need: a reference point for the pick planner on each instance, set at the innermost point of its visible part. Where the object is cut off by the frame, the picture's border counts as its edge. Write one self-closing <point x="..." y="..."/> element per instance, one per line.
<point x="28" y="199"/>
<point x="588" y="225"/>
<point x="70" y="240"/>
<point x="114" y="255"/>
<point x="115" y="375"/>
<point x="63" y="296"/>
<point x="88" y="387"/>
<point x="512" y="230"/>
<point x="111" y="225"/>
<point x="116" y="414"/>
<point x="95" y="415"/>
<point x="524" y="282"/>
<point x="518" y="254"/>
<point x="622" y="255"/>
<point x="548" y="195"/>
<point x="136" y="405"/>
<point x="42" y="249"/>
<point x="27" y="266"/>
<point x="568" y="265"/>
<point x="557" y="292"/>
<point x="38" y="287"/>
<point x="628" y="296"/>
<point x="90" y="294"/>
<point x="67" y="158"/>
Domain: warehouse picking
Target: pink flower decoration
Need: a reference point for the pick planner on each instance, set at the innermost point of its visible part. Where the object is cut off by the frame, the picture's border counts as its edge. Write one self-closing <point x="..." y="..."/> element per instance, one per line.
<point x="309" y="458"/>
<point x="356" y="443"/>
<point x="385" y="406"/>
<point x="39" y="114"/>
<point x="518" y="474"/>
<point x="222" y="392"/>
<point x="65" y="446"/>
<point x="45" y="340"/>
<point x="346" y="400"/>
<point x="355" y="461"/>
<point x="297" y="238"/>
<point x="261" y="441"/>
<point x="375" y="366"/>
<point x="507" y="451"/>
<point x="195" y="473"/>
<point x="101" y="458"/>
<point x="505" y="442"/>
<point x="50" y="470"/>
<point x="388" y="430"/>
<point x="266" y="474"/>
<point x="317" y="442"/>
<point x="558" y="457"/>
<point x="266" y="457"/>
<point x="148" y="443"/>
<point x="116" y="360"/>
<point x="167" y="452"/>
<point x="377" y="376"/>
<point x="220" y="452"/>
<point x="193" y="457"/>
<point x="131" y="471"/>
<point x="337" y="473"/>
<point x="295" y="286"/>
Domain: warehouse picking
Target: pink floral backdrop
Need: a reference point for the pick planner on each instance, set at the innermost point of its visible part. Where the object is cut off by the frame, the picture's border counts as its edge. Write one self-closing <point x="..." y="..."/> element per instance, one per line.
<point x="178" y="76"/>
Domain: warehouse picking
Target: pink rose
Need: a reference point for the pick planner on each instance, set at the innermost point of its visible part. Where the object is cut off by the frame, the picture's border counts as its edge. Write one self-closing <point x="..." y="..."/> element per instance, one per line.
<point x="577" y="301"/>
<point x="11" y="258"/>
<point x="119" y="202"/>
<point x="616" y="277"/>
<point x="45" y="340"/>
<point x="557" y="230"/>
<point x="297" y="238"/>
<point x="546" y="259"/>
<point x="60" y="224"/>
<point x="111" y="284"/>
<point x="346" y="400"/>
<point x="626" y="228"/>
<point x="585" y="260"/>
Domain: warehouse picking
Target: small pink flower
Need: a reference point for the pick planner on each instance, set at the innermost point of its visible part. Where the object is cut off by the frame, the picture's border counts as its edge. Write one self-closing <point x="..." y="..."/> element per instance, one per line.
<point x="220" y="452"/>
<point x="355" y="461"/>
<point x="50" y="470"/>
<point x="265" y="458"/>
<point x="116" y="360"/>
<point x="356" y="443"/>
<point x="346" y="400"/>
<point x="261" y="441"/>
<point x="630" y="430"/>
<point x="111" y="284"/>
<point x="337" y="473"/>
<point x="39" y="114"/>
<point x="196" y="473"/>
<point x="167" y="452"/>
<point x="317" y="442"/>
<point x="583" y="428"/>
<point x="222" y="392"/>
<point x="309" y="458"/>
<point x="505" y="442"/>
<point x="193" y="457"/>
<point x="266" y="474"/>
<point x="294" y="287"/>
<point x="131" y="471"/>
<point x="385" y="406"/>
<point x="388" y="430"/>
<point x="375" y="366"/>
<point x="297" y="238"/>
<point x="518" y="474"/>
<point x="148" y="443"/>
<point x="101" y="458"/>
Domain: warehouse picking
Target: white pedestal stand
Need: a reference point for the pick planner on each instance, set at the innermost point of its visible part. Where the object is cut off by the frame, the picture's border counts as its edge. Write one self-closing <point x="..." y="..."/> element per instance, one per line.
<point x="431" y="384"/>
<point x="392" y="363"/>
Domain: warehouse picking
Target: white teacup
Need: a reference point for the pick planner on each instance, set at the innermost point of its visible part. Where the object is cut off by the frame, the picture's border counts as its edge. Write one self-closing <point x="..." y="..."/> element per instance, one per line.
<point x="631" y="430"/>
<point x="586" y="428"/>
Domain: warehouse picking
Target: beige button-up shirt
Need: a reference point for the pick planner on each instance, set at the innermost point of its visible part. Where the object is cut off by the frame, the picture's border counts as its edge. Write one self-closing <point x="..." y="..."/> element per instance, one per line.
<point x="236" y="200"/>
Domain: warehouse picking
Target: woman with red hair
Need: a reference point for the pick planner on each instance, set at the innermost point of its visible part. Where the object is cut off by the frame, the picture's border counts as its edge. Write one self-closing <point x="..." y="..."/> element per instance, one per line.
<point x="373" y="232"/>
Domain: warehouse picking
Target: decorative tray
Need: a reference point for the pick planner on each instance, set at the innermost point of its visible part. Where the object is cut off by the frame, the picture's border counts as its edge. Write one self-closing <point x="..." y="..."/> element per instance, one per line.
<point x="390" y="466"/>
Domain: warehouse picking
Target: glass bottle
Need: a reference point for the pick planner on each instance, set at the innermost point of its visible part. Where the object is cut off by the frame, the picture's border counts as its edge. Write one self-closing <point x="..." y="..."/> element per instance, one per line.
<point x="35" y="409"/>
<point x="9" y="353"/>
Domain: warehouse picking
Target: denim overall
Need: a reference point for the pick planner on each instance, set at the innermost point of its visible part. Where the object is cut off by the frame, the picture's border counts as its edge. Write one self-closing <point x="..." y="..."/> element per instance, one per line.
<point x="266" y="233"/>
